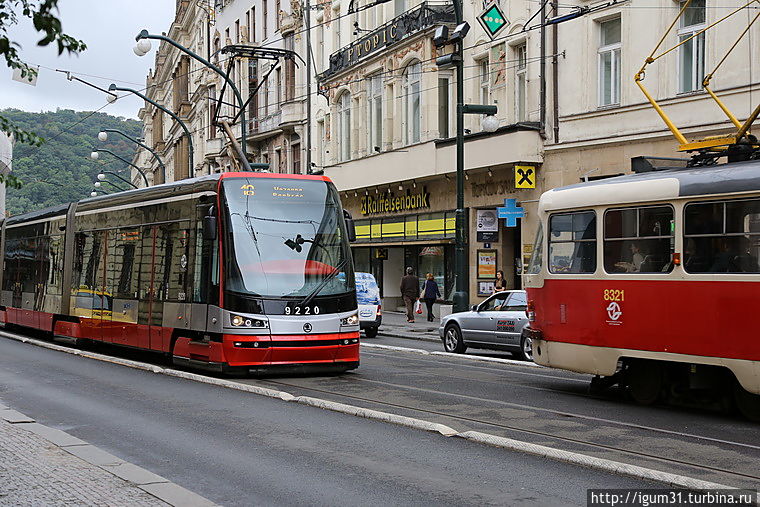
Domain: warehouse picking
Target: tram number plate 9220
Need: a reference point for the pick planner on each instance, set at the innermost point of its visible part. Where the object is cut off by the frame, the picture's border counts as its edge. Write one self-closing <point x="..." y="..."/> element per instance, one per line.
<point x="302" y="310"/>
<point x="614" y="295"/>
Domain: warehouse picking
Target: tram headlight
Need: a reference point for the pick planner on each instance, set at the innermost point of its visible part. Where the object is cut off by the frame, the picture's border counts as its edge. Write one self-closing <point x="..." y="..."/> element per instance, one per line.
<point x="351" y="320"/>
<point x="247" y="322"/>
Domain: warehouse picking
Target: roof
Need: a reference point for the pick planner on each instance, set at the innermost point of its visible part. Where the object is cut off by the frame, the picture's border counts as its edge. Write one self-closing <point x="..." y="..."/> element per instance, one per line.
<point x="656" y="186"/>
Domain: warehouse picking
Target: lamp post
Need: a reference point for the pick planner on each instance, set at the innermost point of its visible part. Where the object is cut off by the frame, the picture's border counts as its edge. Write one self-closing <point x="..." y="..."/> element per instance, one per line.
<point x="99" y="184"/>
<point x="94" y="155"/>
<point x="102" y="176"/>
<point x="113" y="87"/>
<point x="103" y="136"/>
<point x="490" y="124"/>
<point x="143" y="46"/>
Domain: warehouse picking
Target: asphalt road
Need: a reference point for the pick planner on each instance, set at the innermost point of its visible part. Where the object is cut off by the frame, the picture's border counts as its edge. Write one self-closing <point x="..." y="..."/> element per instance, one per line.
<point x="241" y="449"/>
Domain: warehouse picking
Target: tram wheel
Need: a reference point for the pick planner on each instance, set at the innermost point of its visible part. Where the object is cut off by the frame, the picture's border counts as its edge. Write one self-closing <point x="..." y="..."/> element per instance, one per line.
<point x="644" y="380"/>
<point x="747" y="403"/>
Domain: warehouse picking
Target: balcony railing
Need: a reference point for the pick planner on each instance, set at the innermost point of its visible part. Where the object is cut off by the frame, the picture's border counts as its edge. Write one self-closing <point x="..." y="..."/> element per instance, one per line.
<point x="413" y="21"/>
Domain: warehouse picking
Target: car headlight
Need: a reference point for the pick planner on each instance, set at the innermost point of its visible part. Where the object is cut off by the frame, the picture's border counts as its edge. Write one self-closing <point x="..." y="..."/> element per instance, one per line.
<point x="248" y="322"/>
<point x="351" y="320"/>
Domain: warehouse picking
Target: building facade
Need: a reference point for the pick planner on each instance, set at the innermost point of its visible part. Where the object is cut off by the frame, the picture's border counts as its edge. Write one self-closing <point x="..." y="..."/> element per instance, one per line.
<point x="6" y="159"/>
<point x="383" y="113"/>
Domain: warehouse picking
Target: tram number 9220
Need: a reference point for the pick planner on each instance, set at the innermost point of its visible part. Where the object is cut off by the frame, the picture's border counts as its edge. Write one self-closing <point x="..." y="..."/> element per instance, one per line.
<point x="302" y="310"/>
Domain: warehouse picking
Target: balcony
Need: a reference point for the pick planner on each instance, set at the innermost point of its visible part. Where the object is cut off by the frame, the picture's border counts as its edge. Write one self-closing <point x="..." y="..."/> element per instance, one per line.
<point x="214" y="147"/>
<point x="292" y="112"/>
<point x="264" y="124"/>
<point x="411" y="22"/>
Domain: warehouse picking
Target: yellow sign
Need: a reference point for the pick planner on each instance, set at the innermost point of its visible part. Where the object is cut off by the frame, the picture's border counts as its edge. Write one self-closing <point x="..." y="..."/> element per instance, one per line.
<point x="525" y="176"/>
<point x="248" y="189"/>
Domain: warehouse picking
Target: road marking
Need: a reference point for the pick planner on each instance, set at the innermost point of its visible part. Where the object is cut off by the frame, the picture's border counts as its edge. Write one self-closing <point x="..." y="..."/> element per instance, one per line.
<point x="451" y="354"/>
<point x="600" y="464"/>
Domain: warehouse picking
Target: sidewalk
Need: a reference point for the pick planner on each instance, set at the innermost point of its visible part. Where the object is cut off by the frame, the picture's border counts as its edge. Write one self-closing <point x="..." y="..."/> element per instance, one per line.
<point x="395" y="324"/>
<point x="45" y="466"/>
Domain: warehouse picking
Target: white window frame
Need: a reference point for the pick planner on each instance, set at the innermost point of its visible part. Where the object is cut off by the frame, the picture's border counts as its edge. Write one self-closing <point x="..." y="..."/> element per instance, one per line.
<point x="697" y="56"/>
<point x="521" y="82"/>
<point x="343" y="125"/>
<point x="484" y="81"/>
<point x="374" y="116"/>
<point x="412" y="119"/>
<point x="450" y="105"/>
<point x="615" y="52"/>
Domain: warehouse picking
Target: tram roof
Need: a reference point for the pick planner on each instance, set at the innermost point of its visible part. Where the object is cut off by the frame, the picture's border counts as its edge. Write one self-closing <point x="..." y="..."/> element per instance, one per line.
<point x="663" y="185"/>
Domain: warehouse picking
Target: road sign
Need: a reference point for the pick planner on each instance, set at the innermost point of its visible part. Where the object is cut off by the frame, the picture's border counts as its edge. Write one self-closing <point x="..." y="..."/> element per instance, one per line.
<point x="492" y="20"/>
<point x="511" y="212"/>
<point x="525" y="176"/>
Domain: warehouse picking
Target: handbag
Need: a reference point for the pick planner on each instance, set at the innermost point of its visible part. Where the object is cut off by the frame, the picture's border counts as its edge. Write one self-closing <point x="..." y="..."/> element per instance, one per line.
<point x="417" y="306"/>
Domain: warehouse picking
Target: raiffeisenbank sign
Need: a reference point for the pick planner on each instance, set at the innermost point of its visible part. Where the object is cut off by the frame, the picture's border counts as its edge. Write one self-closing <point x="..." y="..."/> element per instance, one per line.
<point x="391" y="203"/>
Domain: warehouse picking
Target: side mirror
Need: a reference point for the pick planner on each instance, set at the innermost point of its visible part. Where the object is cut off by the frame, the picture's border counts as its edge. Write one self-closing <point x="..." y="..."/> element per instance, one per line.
<point x="474" y="308"/>
<point x="209" y="228"/>
<point x="350" y="227"/>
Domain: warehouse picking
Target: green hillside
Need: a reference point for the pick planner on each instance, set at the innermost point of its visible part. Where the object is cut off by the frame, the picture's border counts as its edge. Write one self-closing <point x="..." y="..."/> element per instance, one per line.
<point x="61" y="170"/>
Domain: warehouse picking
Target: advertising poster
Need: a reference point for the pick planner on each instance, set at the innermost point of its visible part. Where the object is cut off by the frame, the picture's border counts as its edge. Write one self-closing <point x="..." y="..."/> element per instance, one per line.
<point x="487" y="263"/>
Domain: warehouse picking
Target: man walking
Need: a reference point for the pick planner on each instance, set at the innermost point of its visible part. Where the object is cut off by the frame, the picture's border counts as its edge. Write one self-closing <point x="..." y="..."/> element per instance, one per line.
<point x="410" y="289"/>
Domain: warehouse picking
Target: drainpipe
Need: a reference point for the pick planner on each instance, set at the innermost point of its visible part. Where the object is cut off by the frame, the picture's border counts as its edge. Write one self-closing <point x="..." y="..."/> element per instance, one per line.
<point x="542" y="73"/>
<point x="555" y="73"/>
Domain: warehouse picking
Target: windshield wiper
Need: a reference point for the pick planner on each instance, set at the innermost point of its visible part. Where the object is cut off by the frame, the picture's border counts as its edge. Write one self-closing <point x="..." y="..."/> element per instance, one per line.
<point x="336" y="270"/>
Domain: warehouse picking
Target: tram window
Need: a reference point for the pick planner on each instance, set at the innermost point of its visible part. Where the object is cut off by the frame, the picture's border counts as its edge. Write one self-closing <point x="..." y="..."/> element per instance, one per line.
<point x="638" y="240"/>
<point x="536" y="257"/>
<point x="572" y="242"/>
<point x="722" y="237"/>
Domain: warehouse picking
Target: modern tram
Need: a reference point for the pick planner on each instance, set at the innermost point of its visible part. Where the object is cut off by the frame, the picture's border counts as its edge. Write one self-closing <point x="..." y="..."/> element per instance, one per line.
<point x="233" y="272"/>
<point x="651" y="281"/>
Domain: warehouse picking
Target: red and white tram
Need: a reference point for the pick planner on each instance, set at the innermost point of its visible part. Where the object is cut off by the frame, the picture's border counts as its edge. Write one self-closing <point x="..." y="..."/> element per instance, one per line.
<point x="652" y="281"/>
<point x="234" y="272"/>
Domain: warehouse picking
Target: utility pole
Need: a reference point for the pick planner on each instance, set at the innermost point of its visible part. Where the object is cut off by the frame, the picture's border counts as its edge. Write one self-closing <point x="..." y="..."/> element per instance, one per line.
<point x="307" y="13"/>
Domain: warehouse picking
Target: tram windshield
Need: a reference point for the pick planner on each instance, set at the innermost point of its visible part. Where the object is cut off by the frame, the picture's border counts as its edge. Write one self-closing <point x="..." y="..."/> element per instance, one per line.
<point x="285" y="238"/>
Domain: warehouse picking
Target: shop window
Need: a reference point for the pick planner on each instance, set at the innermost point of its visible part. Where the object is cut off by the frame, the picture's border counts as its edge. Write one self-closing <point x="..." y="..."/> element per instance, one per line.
<point x="722" y="237"/>
<point x="638" y="240"/>
<point x="572" y="242"/>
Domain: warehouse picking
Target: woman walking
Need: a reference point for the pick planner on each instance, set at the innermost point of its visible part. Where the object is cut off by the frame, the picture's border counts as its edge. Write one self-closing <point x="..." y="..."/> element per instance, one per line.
<point x="429" y="294"/>
<point x="499" y="283"/>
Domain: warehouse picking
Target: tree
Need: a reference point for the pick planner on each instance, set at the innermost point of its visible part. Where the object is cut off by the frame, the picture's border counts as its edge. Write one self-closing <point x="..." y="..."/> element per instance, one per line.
<point x="43" y="16"/>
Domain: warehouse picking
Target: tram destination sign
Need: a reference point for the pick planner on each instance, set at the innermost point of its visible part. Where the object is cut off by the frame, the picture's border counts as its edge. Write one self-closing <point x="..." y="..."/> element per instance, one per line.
<point x="402" y="26"/>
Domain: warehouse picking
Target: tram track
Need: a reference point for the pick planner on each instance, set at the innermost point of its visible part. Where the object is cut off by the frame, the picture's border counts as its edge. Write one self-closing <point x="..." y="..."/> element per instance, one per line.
<point x="535" y="432"/>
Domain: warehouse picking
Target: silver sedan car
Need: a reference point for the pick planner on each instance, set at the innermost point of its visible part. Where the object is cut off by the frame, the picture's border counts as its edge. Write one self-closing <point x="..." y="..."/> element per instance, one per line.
<point x="496" y="323"/>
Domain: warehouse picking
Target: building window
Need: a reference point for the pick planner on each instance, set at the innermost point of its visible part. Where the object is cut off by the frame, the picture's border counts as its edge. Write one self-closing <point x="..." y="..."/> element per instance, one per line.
<point x="253" y="25"/>
<point x="212" y="112"/>
<point x="278" y="160"/>
<point x="264" y="19"/>
<point x="335" y="26"/>
<point x="237" y="31"/>
<point x="264" y="97"/>
<point x="483" y="81"/>
<point x="253" y="104"/>
<point x="691" y="55"/>
<point x="344" y="127"/>
<point x="295" y="154"/>
<point x="247" y="26"/>
<point x="278" y="88"/>
<point x="444" y="106"/>
<point x="609" y="62"/>
<point x="277" y="13"/>
<point x="375" y="113"/>
<point x="320" y="44"/>
<point x="322" y="143"/>
<point x="521" y="83"/>
<point x="290" y="69"/>
<point x="411" y="103"/>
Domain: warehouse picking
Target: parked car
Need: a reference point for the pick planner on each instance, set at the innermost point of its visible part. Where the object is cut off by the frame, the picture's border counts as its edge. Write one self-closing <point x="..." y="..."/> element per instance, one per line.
<point x="496" y="323"/>
<point x="368" y="297"/>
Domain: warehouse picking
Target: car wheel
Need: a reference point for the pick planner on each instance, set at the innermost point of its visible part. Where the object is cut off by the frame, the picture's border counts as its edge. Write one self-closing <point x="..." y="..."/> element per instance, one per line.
<point x="452" y="340"/>
<point x="370" y="332"/>
<point x="526" y="348"/>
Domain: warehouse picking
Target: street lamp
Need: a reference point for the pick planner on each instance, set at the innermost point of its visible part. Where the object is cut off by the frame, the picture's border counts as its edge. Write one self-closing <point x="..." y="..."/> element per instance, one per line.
<point x="143" y="46"/>
<point x="94" y="155"/>
<point x="113" y="87"/>
<point x="490" y="124"/>
<point x="103" y="136"/>
<point x="102" y="176"/>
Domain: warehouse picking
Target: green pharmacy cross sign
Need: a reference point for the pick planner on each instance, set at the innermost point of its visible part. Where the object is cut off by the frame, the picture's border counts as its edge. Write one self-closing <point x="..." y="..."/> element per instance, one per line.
<point x="492" y="20"/>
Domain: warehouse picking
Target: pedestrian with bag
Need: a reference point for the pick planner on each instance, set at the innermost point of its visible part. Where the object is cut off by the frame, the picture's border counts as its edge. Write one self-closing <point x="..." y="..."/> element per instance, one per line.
<point x="409" y="290"/>
<point x="429" y="295"/>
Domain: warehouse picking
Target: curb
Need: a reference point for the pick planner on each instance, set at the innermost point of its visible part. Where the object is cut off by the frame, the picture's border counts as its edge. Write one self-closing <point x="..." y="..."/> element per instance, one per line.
<point x="677" y="481"/>
<point x="145" y="480"/>
<point x="483" y="359"/>
<point x="407" y="336"/>
<point x="603" y="465"/>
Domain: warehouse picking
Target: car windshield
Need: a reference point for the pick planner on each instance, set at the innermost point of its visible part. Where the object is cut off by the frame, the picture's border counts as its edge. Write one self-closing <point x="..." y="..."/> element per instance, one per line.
<point x="287" y="238"/>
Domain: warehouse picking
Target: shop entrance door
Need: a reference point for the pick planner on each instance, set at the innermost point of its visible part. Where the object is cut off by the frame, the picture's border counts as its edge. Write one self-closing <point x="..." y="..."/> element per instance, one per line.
<point x="512" y="250"/>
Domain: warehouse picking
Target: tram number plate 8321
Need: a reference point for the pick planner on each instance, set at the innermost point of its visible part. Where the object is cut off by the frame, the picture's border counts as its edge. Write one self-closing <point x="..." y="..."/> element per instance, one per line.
<point x="302" y="310"/>
<point x="614" y="295"/>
